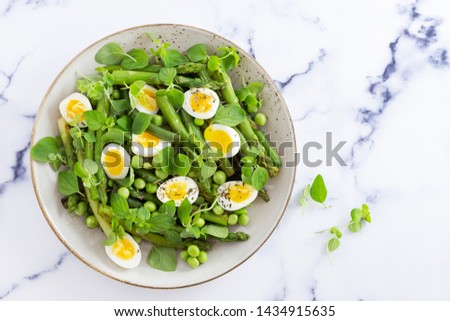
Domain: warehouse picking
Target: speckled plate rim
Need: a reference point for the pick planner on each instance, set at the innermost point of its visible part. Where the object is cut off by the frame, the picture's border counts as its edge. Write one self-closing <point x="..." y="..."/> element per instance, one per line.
<point x="41" y="109"/>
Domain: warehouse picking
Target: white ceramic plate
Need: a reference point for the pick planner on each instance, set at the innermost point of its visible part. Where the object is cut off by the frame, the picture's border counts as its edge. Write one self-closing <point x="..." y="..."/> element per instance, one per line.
<point x="87" y="244"/>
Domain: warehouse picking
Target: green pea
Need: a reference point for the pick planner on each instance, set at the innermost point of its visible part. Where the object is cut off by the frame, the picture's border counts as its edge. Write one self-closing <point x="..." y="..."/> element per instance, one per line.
<point x="200" y="222"/>
<point x="241" y="211"/>
<point x="202" y="257"/>
<point x="81" y="208"/>
<point x="193" y="250"/>
<point x="218" y="210"/>
<point x="115" y="94"/>
<point x="219" y="177"/>
<point x="150" y="206"/>
<point x="260" y="119"/>
<point x="233" y="219"/>
<point x="158" y="120"/>
<point x="199" y="122"/>
<point x="161" y="174"/>
<point x="193" y="262"/>
<point x="252" y="109"/>
<point x="137" y="161"/>
<point x="151" y="188"/>
<point x="139" y="183"/>
<point x="123" y="192"/>
<point x="243" y="219"/>
<point x="184" y="255"/>
<point x="91" y="221"/>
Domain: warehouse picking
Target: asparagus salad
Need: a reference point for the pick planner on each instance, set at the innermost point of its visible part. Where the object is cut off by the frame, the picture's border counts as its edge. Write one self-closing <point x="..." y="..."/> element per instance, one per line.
<point x="158" y="146"/>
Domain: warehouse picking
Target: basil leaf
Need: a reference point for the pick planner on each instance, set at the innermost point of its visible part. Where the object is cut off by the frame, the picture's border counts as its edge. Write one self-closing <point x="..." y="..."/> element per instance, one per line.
<point x="163" y="258"/>
<point x="173" y="237"/>
<point x="172" y="58"/>
<point x="218" y="231"/>
<point x="164" y="159"/>
<point x="119" y="206"/>
<point x="110" y="54"/>
<point x="168" y="208"/>
<point x="167" y="75"/>
<point x="197" y="53"/>
<point x="89" y="137"/>
<point x="176" y="97"/>
<point x="67" y="182"/>
<point x="229" y="115"/>
<point x="260" y="177"/>
<point x="140" y="123"/>
<point x="191" y="231"/>
<point x="136" y="87"/>
<point x="355" y="226"/>
<point x="135" y="59"/>
<point x="333" y="244"/>
<point x="184" y="212"/>
<point x="95" y="119"/>
<point x="182" y="164"/>
<point x="80" y="171"/>
<point x="356" y="214"/>
<point x="208" y="168"/>
<point x="318" y="190"/>
<point x="120" y="106"/>
<point x="90" y="166"/>
<point x="143" y="213"/>
<point x="125" y="123"/>
<point x="43" y="148"/>
<point x="161" y="223"/>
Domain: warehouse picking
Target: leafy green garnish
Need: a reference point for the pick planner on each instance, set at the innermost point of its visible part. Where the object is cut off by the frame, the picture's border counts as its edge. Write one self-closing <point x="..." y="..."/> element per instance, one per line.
<point x="215" y="230"/>
<point x="197" y="53"/>
<point x="167" y="75"/>
<point x="358" y="216"/>
<point x="43" y="148"/>
<point x="168" y="208"/>
<point x="229" y="57"/>
<point x="163" y="258"/>
<point x="112" y="54"/>
<point x="249" y="95"/>
<point x="172" y="58"/>
<point x="260" y="176"/>
<point x="119" y="205"/>
<point x="184" y="212"/>
<point x="67" y="182"/>
<point x="140" y="123"/>
<point x="229" y="115"/>
<point x="318" y="190"/>
<point x="135" y="59"/>
<point x="182" y="164"/>
<point x="94" y="119"/>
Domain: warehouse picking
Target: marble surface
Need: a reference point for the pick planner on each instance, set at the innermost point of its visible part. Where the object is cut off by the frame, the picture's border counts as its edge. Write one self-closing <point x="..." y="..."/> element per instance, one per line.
<point x="374" y="73"/>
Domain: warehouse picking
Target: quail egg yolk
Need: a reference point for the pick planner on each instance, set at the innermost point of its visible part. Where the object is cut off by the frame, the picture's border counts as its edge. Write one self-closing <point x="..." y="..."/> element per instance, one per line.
<point x="146" y="99"/>
<point x="147" y="140"/>
<point x="114" y="162"/>
<point x="219" y="139"/>
<point x="201" y="102"/>
<point x="239" y="193"/>
<point x="123" y="249"/>
<point x="75" y="110"/>
<point x="176" y="191"/>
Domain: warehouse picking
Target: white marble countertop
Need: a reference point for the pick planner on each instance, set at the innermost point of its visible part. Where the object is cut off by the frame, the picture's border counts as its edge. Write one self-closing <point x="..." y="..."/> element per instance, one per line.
<point x="374" y="73"/>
